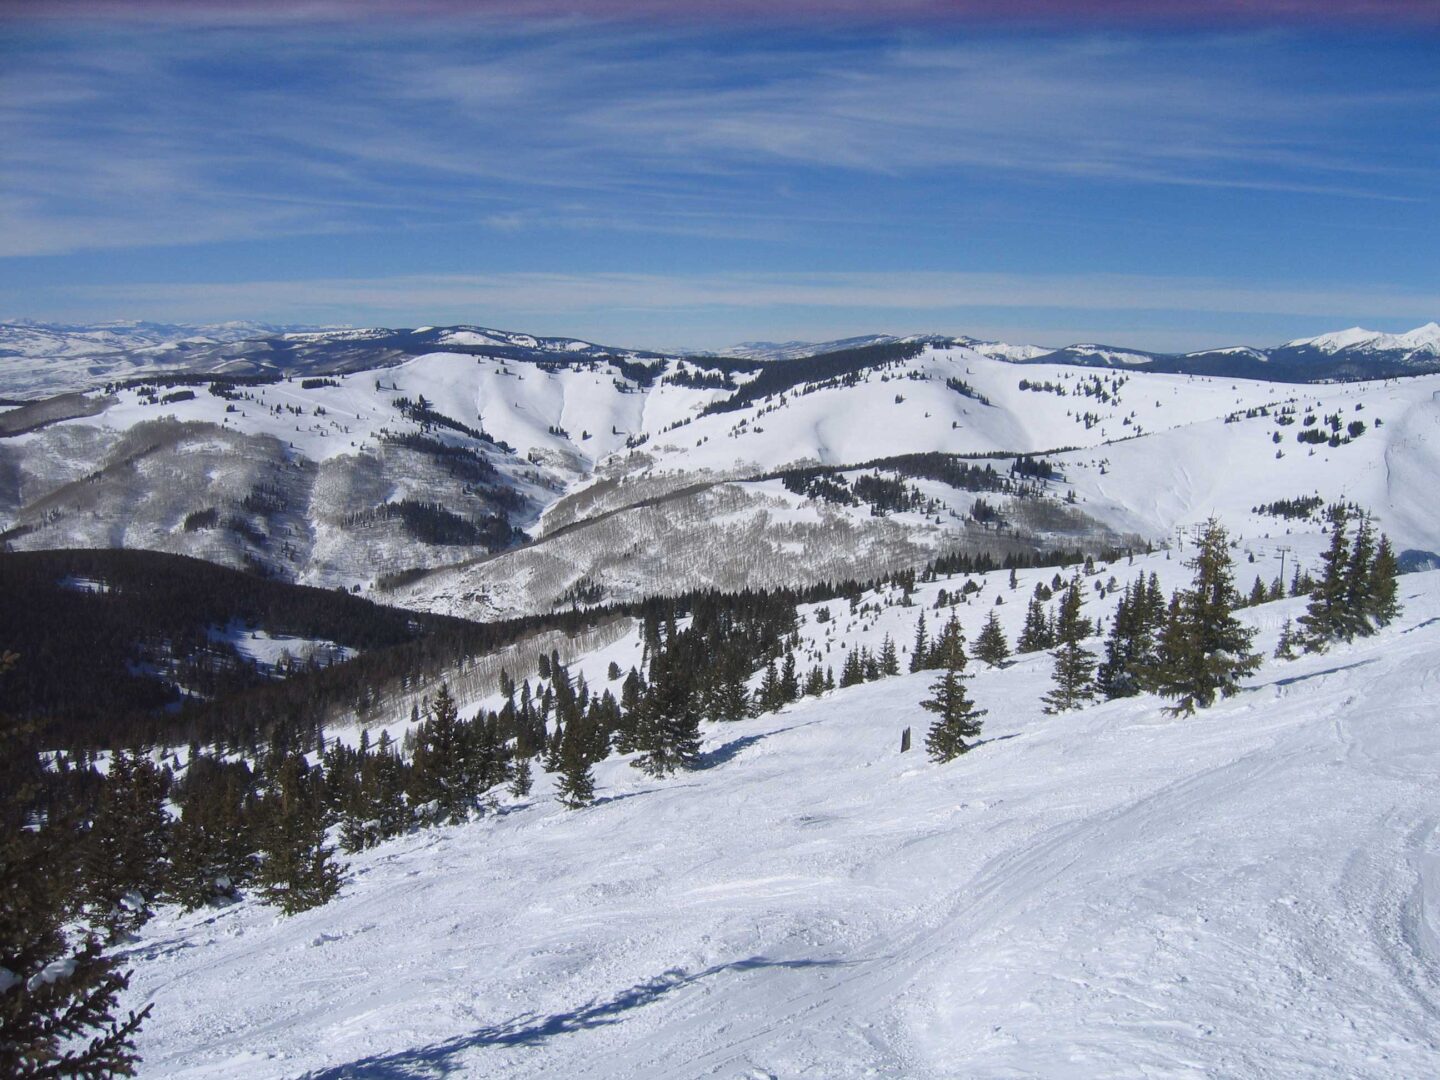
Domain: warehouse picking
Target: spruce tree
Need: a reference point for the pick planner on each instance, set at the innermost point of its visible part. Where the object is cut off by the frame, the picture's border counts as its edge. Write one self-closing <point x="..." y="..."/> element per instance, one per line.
<point x="1130" y="648"/>
<point x="789" y="680"/>
<point x="1074" y="668"/>
<point x="122" y="861"/>
<point x="1382" y="604"/>
<point x="889" y="661"/>
<point x="521" y="778"/>
<point x="990" y="644"/>
<point x="1204" y="650"/>
<point x="669" y="730"/>
<point x="1035" y="634"/>
<point x="576" y="784"/>
<point x="956" y="718"/>
<point x="58" y="991"/>
<point x="297" y="868"/>
<point x="1285" y="647"/>
<point x="921" y="648"/>
<point x="1321" y="623"/>
<point x="1352" y="616"/>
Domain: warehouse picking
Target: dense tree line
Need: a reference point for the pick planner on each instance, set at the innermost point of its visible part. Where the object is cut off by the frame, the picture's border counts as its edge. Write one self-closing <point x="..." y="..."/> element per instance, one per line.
<point x="782" y="375"/>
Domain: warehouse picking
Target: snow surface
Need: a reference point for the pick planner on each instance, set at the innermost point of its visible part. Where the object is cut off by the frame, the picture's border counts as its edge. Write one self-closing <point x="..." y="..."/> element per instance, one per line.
<point x="1253" y="891"/>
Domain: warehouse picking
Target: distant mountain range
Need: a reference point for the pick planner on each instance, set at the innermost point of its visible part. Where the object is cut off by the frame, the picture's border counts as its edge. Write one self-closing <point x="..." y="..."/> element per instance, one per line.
<point x="41" y="359"/>
<point x="1342" y="356"/>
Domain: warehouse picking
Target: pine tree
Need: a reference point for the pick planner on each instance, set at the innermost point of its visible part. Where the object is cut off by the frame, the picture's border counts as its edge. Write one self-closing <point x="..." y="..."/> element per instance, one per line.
<point x="521" y="778"/>
<point x="1352" y="617"/>
<point x="815" y="682"/>
<point x="789" y="681"/>
<point x="297" y="869"/>
<point x="922" y="646"/>
<point x="576" y="785"/>
<point x="669" y="730"/>
<point x="1285" y="647"/>
<point x="1035" y="635"/>
<point x="212" y="847"/>
<point x="1321" y="622"/>
<point x="889" y="661"/>
<point x="1204" y="650"/>
<point x="57" y="998"/>
<point x="1130" y="648"/>
<point x="1381" y="602"/>
<point x="1074" y="665"/>
<point x="956" y="718"/>
<point x="122" y="862"/>
<point x="990" y="644"/>
<point x="768" y="696"/>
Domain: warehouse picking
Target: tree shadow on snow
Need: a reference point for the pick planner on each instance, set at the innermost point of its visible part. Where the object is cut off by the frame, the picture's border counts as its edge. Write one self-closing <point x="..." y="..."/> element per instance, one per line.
<point x="729" y="751"/>
<point x="1291" y="680"/>
<point x="441" y="1059"/>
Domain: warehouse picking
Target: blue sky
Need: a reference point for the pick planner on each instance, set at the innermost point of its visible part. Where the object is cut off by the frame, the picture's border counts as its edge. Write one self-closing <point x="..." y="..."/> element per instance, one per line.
<point x="649" y="181"/>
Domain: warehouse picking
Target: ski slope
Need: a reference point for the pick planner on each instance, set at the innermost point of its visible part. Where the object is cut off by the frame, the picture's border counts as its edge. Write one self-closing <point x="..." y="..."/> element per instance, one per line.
<point x="1253" y="891"/>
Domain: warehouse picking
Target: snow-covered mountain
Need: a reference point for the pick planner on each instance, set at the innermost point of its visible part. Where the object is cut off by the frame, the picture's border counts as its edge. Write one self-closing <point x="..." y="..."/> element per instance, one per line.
<point x="38" y="360"/>
<point x="1423" y="341"/>
<point x="519" y="484"/>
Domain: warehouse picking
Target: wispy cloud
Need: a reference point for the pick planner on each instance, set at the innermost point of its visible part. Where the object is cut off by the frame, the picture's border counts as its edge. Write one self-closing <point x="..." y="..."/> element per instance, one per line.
<point x="1046" y="12"/>
<point x="147" y="137"/>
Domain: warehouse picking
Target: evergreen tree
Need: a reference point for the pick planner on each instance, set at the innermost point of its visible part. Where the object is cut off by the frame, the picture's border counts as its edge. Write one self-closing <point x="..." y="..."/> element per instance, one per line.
<point x="1353" y="617"/>
<point x="1035" y="635"/>
<point x="297" y="869"/>
<point x="576" y="785"/>
<point x="1382" y="604"/>
<point x="1285" y="647"/>
<point x="521" y="778"/>
<point x="1130" y="648"/>
<point x="889" y="660"/>
<point x="57" y="997"/>
<point x="1321" y="623"/>
<point x="669" y="728"/>
<point x="768" y="696"/>
<point x="122" y="861"/>
<point x="853" y="671"/>
<point x="1204" y="650"/>
<point x="212" y="847"/>
<point x="956" y="718"/>
<point x="1074" y="665"/>
<point x="815" y="682"/>
<point x="789" y="681"/>
<point x="990" y="644"/>
<point x="922" y="646"/>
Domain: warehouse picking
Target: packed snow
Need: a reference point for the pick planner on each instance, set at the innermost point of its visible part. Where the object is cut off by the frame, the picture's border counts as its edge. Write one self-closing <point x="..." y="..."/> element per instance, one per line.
<point x="1252" y="891"/>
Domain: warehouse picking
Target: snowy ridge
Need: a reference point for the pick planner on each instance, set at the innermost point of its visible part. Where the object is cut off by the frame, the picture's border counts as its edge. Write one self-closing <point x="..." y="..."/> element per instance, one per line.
<point x="1423" y="339"/>
<point x="1110" y="893"/>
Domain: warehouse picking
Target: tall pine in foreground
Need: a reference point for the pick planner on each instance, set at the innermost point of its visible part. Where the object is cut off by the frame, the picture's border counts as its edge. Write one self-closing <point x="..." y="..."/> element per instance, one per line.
<point x="58" y="990"/>
<point x="1204" y="650"/>
<point x="956" y="717"/>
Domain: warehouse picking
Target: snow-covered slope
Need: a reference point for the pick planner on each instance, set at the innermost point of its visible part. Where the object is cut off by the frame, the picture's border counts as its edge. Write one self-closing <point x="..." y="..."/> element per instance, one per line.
<point x="1111" y="893"/>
